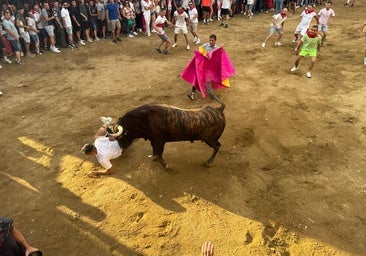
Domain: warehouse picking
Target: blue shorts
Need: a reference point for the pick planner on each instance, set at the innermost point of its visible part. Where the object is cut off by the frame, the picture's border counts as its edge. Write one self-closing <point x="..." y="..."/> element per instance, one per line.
<point x="15" y="45"/>
<point x="34" y="38"/>
<point x="273" y="29"/>
<point x="323" y="27"/>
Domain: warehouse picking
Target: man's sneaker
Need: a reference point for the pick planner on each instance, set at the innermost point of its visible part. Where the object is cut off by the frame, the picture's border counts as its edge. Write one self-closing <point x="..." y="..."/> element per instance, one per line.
<point x="1" y="66"/>
<point x="191" y="96"/>
<point x="158" y="50"/>
<point x="81" y="42"/>
<point x="293" y="69"/>
<point x="130" y="35"/>
<point x="115" y="40"/>
<point x="118" y="39"/>
<point x="19" y="62"/>
<point x="278" y="43"/>
<point x="198" y="41"/>
<point x="308" y="74"/>
<point x="90" y="40"/>
<point x="97" y="39"/>
<point x="195" y="39"/>
<point x="188" y="47"/>
<point x="226" y="26"/>
<point x="9" y="61"/>
<point x="55" y="50"/>
<point x="105" y="119"/>
<point x="1" y="93"/>
<point x="165" y="52"/>
<point x="364" y="61"/>
<point x="134" y="33"/>
<point x="295" y="40"/>
<point x="174" y="45"/>
<point x="221" y="24"/>
<point x="31" y="55"/>
<point x="263" y="45"/>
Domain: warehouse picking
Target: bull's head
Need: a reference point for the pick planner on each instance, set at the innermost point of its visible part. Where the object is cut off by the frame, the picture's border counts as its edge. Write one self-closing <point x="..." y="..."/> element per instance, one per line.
<point x="124" y="140"/>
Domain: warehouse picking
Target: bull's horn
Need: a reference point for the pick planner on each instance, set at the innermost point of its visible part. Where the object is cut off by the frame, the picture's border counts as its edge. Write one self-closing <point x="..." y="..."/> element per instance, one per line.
<point x="115" y="130"/>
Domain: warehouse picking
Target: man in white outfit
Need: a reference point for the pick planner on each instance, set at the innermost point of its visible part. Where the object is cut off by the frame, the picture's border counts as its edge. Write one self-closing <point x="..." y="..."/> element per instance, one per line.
<point x="105" y="146"/>
<point x="146" y="6"/>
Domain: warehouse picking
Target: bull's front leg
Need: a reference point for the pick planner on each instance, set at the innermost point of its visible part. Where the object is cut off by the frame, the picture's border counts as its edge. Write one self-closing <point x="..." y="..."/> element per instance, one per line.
<point x="158" y="149"/>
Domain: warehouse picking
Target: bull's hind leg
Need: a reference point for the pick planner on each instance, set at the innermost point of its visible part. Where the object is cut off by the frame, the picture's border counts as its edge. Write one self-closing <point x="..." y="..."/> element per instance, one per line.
<point x="216" y="146"/>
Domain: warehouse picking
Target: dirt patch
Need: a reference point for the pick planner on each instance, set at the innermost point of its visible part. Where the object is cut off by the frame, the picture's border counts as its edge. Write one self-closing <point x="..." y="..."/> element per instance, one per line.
<point x="288" y="180"/>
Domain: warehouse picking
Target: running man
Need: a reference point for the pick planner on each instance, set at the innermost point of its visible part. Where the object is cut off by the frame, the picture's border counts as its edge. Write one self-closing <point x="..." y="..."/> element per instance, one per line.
<point x="310" y="44"/>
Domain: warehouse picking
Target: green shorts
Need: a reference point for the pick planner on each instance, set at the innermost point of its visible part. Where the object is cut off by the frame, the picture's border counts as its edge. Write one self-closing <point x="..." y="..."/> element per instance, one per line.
<point x="305" y="53"/>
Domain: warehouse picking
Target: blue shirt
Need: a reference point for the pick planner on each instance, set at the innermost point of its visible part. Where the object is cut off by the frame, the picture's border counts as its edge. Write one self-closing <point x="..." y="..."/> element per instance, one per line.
<point x="112" y="10"/>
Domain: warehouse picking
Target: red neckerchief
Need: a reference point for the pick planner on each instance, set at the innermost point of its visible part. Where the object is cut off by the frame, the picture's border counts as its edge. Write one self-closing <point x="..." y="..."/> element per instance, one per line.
<point x="311" y="34"/>
<point x="180" y="11"/>
<point x="309" y="11"/>
<point x="283" y="14"/>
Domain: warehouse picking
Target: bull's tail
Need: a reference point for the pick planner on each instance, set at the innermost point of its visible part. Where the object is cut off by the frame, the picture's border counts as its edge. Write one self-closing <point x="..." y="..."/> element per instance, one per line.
<point x="210" y="92"/>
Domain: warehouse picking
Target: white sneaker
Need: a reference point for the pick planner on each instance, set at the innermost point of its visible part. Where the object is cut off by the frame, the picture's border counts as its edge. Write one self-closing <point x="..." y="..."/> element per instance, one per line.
<point x="1" y="93"/>
<point x="195" y="39"/>
<point x="278" y="43"/>
<point x="308" y="74"/>
<point x="106" y="120"/>
<point x="97" y="39"/>
<point x="129" y="35"/>
<point x="82" y="42"/>
<point x="198" y="41"/>
<point x="1" y="66"/>
<point x="263" y="45"/>
<point x="188" y="47"/>
<point x="9" y="61"/>
<point x="134" y="33"/>
<point x="174" y="45"/>
<point x="364" y="61"/>
<point x="295" y="40"/>
<point x="293" y="69"/>
<point x="54" y="49"/>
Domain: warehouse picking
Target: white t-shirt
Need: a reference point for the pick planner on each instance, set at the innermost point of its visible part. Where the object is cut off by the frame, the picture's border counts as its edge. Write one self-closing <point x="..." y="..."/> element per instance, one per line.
<point x="180" y="19"/>
<point x="279" y="20"/>
<point x="226" y="4"/>
<point x="193" y="14"/>
<point x="306" y="18"/>
<point x="160" y="21"/>
<point x="107" y="150"/>
<point x="145" y="4"/>
<point x="66" y="17"/>
<point x="32" y="23"/>
<point x="324" y="15"/>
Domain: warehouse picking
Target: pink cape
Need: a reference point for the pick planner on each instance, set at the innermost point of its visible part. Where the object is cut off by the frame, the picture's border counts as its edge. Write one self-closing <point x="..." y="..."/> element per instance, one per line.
<point x="214" y="67"/>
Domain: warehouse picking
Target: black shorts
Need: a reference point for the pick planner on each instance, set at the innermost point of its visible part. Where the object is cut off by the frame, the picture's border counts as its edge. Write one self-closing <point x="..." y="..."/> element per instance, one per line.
<point x="85" y="24"/>
<point x="225" y="11"/>
<point x="1" y="42"/>
<point x="102" y="23"/>
<point x="206" y="8"/>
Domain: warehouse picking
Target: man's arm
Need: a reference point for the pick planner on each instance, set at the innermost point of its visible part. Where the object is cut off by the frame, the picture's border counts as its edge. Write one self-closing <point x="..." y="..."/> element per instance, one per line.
<point x="18" y="236"/>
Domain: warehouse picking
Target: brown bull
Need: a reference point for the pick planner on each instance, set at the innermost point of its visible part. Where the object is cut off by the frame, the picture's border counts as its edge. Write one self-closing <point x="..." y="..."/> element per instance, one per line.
<point x="162" y="123"/>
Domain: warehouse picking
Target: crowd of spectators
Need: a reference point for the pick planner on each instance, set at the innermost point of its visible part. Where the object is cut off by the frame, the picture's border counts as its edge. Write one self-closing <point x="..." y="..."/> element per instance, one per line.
<point x="29" y="28"/>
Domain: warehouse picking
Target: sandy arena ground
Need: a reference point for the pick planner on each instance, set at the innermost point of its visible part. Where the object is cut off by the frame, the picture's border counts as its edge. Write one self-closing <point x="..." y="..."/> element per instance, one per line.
<point x="289" y="178"/>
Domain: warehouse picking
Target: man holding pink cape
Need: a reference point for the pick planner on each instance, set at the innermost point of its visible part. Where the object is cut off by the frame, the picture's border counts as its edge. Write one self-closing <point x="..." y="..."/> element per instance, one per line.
<point x="209" y="66"/>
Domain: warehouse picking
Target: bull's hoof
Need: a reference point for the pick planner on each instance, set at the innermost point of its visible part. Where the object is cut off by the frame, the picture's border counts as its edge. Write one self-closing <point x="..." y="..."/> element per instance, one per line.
<point x="207" y="164"/>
